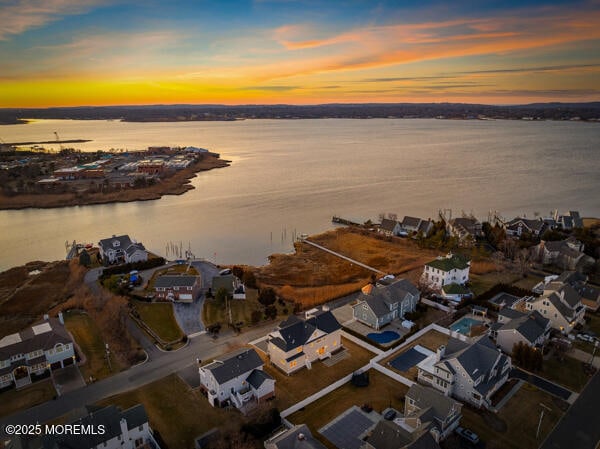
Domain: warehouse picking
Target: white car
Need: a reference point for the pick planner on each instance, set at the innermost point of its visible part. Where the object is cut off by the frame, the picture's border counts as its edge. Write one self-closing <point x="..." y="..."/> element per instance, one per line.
<point x="467" y="434"/>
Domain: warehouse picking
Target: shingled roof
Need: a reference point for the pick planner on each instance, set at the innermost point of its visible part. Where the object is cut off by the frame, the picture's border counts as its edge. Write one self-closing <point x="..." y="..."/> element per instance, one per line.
<point x="234" y="364"/>
<point x="449" y="263"/>
<point x="296" y="332"/>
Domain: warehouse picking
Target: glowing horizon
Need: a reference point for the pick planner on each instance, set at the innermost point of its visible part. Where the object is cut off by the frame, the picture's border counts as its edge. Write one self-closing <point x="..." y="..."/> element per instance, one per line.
<point x="110" y="52"/>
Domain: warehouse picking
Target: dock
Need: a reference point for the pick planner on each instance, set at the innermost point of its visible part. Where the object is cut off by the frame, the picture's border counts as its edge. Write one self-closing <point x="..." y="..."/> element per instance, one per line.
<point x="344" y="221"/>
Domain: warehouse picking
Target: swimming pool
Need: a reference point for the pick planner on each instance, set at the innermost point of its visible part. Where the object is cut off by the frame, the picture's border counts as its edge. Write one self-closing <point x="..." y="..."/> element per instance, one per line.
<point x="464" y="325"/>
<point x="384" y="337"/>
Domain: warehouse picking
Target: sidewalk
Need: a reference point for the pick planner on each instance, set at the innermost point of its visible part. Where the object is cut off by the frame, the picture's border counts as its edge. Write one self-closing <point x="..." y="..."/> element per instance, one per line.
<point x="583" y="356"/>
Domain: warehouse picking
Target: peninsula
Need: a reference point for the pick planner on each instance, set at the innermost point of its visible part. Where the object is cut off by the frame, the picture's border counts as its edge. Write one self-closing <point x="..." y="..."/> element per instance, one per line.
<point x="40" y="179"/>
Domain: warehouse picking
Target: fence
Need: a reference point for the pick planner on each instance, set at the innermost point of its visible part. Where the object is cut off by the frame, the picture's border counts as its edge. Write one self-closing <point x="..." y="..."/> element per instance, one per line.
<point x="437" y="305"/>
<point x="361" y="342"/>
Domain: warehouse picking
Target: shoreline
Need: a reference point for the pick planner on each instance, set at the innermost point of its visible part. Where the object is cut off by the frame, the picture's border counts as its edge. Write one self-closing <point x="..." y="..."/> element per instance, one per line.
<point x="177" y="184"/>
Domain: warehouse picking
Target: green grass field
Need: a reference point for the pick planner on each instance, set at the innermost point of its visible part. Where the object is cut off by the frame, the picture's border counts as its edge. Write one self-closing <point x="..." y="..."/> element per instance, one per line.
<point x="12" y="401"/>
<point x="160" y="318"/>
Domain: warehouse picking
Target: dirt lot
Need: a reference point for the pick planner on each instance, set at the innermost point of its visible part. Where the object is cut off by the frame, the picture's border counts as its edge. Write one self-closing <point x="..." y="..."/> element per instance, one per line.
<point x="312" y="276"/>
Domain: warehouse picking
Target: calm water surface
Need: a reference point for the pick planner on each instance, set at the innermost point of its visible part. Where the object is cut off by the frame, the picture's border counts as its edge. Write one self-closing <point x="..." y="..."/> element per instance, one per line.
<point x="291" y="176"/>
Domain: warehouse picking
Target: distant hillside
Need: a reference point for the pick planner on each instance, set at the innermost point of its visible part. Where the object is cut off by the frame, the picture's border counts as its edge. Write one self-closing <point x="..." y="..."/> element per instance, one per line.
<point x="167" y="113"/>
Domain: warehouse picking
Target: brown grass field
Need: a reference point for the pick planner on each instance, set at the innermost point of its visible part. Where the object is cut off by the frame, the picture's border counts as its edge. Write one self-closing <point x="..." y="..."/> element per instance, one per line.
<point x="312" y="276"/>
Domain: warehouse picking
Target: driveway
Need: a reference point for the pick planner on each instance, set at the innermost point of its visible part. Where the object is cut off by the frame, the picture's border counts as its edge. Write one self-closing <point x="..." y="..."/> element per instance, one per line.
<point x="67" y="379"/>
<point x="189" y="315"/>
<point x="541" y="383"/>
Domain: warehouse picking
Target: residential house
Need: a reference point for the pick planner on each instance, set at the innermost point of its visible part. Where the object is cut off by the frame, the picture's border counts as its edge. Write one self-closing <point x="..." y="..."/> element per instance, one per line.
<point x="531" y="329"/>
<point x="448" y="275"/>
<point x="567" y="253"/>
<point x="298" y="342"/>
<point x="127" y="429"/>
<point x="27" y="355"/>
<point x="590" y="296"/>
<point x="470" y="372"/>
<point x="296" y="437"/>
<point x="569" y="221"/>
<point x="237" y="378"/>
<point x="389" y="435"/>
<point x="519" y="226"/>
<point x="380" y="305"/>
<point x="389" y="227"/>
<point x="121" y="249"/>
<point x="416" y="225"/>
<point x="561" y="304"/>
<point x="180" y="288"/>
<point x="424" y="406"/>
<point x="234" y="286"/>
<point x="464" y="228"/>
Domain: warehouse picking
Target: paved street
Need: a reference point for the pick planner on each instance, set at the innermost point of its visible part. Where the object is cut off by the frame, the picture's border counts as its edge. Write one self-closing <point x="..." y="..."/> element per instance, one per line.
<point x="579" y="428"/>
<point x="159" y="365"/>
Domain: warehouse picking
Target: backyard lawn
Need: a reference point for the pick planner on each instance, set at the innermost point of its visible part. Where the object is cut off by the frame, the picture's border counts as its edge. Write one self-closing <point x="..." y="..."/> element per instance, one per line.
<point x="160" y="318"/>
<point x="381" y="393"/>
<point x="12" y="401"/>
<point x="480" y="283"/>
<point x="292" y="389"/>
<point x="176" y="412"/>
<point x="567" y="372"/>
<point x="88" y="337"/>
<point x="515" y="425"/>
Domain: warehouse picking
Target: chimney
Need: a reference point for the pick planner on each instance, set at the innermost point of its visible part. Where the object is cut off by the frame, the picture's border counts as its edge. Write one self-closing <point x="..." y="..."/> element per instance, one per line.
<point x="440" y="352"/>
<point x="301" y="437"/>
<point x="46" y="317"/>
<point x="61" y="318"/>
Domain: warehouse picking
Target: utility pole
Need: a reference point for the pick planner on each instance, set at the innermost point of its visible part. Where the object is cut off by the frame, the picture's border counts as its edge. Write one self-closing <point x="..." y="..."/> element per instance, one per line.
<point x="541" y="416"/>
<point x="108" y="357"/>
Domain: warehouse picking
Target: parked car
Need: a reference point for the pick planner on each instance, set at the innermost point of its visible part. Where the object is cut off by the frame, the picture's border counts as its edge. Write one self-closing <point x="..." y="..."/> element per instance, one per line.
<point x="389" y="415"/>
<point x="467" y="434"/>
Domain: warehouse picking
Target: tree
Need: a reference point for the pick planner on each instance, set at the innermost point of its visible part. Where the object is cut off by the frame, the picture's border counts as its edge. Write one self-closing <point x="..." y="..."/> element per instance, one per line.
<point x="85" y="259"/>
<point x="271" y="312"/>
<point x="249" y="279"/>
<point x="267" y="296"/>
<point x="238" y="272"/>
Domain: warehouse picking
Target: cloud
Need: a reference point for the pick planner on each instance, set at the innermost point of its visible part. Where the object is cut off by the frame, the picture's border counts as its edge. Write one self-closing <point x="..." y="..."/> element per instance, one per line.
<point x="271" y="88"/>
<point x="552" y="68"/>
<point x="20" y="16"/>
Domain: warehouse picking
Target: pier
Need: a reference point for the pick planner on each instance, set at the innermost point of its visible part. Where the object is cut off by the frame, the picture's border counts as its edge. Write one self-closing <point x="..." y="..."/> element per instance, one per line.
<point x="344" y="221"/>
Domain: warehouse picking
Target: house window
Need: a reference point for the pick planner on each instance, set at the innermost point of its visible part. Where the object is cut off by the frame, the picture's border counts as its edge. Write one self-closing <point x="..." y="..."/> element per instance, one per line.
<point x="299" y="349"/>
<point x="293" y="363"/>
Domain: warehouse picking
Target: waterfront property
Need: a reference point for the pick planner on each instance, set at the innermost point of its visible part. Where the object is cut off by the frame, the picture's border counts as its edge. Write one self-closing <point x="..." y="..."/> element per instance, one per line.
<point x="466" y="229"/>
<point x="567" y="254"/>
<point x="470" y="372"/>
<point x="236" y="378"/>
<point x="519" y="226"/>
<point x="381" y="304"/>
<point x="448" y="275"/>
<point x="180" y="288"/>
<point x="30" y="353"/>
<point x="298" y="342"/>
<point x="234" y="287"/>
<point x="121" y="249"/>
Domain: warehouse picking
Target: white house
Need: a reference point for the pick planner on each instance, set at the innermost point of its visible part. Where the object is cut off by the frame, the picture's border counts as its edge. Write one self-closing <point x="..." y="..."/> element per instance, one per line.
<point x="121" y="249"/>
<point x="470" y="372"/>
<point x="561" y="304"/>
<point x="30" y="353"/>
<point x="298" y="342"/>
<point x="518" y="226"/>
<point x="237" y="378"/>
<point x="127" y="429"/>
<point x="448" y="275"/>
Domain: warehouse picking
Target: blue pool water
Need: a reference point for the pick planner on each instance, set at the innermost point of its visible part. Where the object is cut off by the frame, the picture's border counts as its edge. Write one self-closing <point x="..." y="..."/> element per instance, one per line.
<point x="384" y="337"/>
<point x="464" y="325"/>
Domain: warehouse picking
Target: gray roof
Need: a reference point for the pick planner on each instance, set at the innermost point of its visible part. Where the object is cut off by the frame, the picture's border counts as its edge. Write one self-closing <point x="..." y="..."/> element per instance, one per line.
<point x="388" y="225"/>
<point x="571" y="277"/>
<point x="505" y="299"/>
<point x="169" y="281"/>
<point x="234" y="364"/>
<point x="411" y="222"/>
<point x="257" y="378"/>
<point x="425" y="226"/>
<point x="223" y="281"/>
<point x="424" y="397"/>
<point x="296" y="332"/>
<point x="28" y="341"/>
<point x="476" y="359"/>
<point x="109" y="417"/>
<point x="534" y="225"/>
<point x="298" y="437"/>
<point x="531" y="326"/>
<point x="381" y="299"/>
<point x="510" y="313"/>
<point x="134" y="247"/>
<point x="387" y="435"/>
<point x="469" y="225"/>
<point x="124" y="242"/>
